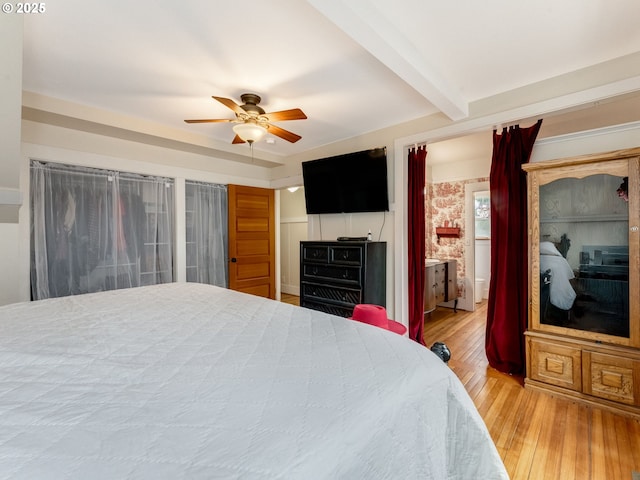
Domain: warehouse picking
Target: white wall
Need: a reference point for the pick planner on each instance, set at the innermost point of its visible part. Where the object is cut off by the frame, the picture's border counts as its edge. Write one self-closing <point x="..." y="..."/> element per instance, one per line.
<point x="460" y="171"/>
<point x="483" y="265"/>
<point x="11" y="96"/>
<point x="381" y="224"/>
<point x="561" y="146"/>
<point x="332" y="226"/>
<point x="590" y="141"/>
<point x="10" y="196"/>
<point x="46" y="142"/>
<point x="56" y="144"/>
<point x="293" y="230"/>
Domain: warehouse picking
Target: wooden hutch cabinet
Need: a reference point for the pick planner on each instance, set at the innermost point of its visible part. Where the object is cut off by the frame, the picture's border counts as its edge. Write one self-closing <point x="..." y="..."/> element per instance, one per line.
<point x="583" y="339"/>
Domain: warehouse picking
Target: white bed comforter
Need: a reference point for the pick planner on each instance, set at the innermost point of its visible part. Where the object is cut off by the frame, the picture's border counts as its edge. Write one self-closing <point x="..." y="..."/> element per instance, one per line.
<point x="188" y="381"/>
<point x="561" y="293"/>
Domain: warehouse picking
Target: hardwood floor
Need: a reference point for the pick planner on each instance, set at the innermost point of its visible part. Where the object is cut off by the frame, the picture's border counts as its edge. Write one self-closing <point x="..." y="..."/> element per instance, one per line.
<point x="292" y="299"/>
<point x="539" y="437"/>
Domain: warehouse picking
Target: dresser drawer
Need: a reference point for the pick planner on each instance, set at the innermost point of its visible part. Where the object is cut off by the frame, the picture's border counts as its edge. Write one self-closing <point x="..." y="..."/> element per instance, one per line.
<point x="337" y="275"/>
<point x="346" y="255"/>
<point x="556" y="364"/>
<point x="611" y="377"/>
<point x="440" y="284"/>
<point x="315" y="253"/>
<point x="338" y="310"/>
<point x="325" y="293"/>
<point x="332" y="273"/>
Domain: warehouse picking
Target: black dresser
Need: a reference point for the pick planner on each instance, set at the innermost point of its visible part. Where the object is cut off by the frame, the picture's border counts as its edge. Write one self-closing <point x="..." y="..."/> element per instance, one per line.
<point x="336" y="276"/>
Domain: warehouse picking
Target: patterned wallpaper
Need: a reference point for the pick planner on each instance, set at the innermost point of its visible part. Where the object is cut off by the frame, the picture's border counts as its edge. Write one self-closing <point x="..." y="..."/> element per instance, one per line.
<point x="445" y="203"/>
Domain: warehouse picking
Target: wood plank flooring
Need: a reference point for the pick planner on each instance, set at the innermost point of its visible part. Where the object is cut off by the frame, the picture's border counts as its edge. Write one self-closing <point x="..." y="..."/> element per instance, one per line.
<point x="292" y="299"/>
<point x="539" y="437"/>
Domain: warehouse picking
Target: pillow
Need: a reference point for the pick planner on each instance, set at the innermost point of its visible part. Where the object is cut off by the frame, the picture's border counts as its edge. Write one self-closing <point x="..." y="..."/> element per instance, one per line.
<point x="548" y="248"/>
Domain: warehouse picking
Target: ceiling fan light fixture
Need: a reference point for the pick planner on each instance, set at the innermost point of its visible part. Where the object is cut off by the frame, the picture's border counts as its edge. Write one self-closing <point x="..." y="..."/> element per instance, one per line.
<point x="250" y="132"/>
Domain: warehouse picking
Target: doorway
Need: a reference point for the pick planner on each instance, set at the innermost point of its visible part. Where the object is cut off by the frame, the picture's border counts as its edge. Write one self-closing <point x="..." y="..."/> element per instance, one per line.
<point x="482" y="244"/>
<point x="474" y="271"/>
<point x="293" y="229"/>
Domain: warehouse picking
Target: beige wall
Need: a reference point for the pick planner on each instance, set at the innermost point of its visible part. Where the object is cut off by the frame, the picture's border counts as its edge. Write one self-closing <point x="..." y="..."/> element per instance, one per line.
<point x="11" y="96"/>
<point x="65" y="143"/>
<point x="293" y="230"/>
<point x="10" y="195"/>
<point x="56" y="144"/>
<point x="448" y="182"/>
<point x="448" y="199"/>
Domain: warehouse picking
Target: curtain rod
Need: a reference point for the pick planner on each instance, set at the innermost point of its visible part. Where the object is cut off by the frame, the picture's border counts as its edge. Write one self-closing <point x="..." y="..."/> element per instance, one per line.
<point x="417" y="145"/>
<point x="500" y="126"/>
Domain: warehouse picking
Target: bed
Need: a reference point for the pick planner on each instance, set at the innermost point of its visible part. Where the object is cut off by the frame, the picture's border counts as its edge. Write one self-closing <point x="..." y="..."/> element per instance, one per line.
<point x="557" y="274"/>
<point x="191" y="381"/>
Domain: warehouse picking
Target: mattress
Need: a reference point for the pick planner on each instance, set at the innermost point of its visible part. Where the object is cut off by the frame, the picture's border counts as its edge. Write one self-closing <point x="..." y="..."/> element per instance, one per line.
<point x="191" y="381"/>
<point x="562" y="294"/>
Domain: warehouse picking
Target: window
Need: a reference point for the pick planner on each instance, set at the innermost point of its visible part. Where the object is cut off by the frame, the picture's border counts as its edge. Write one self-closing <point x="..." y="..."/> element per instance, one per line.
<point x="94" y="230"/>
<point x="206" y="233"/>
<point x="482" y="214"/>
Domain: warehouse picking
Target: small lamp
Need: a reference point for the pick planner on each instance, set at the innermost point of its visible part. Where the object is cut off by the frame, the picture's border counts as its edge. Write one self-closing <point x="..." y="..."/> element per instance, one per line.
<point x="250" y="131"/>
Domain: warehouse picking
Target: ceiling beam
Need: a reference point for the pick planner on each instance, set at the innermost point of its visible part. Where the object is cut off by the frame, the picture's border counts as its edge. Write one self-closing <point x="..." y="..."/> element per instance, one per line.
<point x="368" y="27"/>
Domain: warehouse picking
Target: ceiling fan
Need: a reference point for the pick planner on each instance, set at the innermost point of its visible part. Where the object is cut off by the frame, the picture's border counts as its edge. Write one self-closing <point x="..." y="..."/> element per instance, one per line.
<point x="252" y="122"/>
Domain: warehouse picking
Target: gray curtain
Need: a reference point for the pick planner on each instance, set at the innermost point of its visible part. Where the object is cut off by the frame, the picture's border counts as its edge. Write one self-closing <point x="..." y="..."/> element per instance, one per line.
<point x="206" y="233"/>
<point x="95" y="230"/>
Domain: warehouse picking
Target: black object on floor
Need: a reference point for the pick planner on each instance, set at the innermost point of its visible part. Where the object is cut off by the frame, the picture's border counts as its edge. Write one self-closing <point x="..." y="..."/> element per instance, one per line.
<point x="442" y="351"/>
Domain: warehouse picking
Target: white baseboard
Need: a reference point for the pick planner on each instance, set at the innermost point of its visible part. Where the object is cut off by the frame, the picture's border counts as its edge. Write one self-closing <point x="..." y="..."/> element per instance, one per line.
<point x="290" y="289"/>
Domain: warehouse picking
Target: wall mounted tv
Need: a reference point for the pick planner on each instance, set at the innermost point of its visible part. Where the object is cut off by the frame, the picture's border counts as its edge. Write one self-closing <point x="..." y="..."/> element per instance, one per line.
<point x="349" y="183"/>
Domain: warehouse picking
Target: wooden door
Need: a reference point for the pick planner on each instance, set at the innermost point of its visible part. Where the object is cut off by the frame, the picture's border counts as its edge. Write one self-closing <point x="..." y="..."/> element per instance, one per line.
<point x="252" y="245"/>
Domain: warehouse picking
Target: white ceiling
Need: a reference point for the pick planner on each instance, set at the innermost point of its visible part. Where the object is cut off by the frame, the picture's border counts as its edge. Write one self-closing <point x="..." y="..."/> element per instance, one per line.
<point x="353" y="66"/>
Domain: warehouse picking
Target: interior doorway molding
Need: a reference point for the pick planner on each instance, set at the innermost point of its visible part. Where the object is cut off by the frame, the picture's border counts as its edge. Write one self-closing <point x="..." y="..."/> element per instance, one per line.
<point x="468" y="301"/>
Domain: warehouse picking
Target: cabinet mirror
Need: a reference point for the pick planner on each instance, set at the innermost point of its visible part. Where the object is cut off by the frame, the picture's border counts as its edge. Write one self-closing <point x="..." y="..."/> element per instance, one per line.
<point x="584" y="253"/>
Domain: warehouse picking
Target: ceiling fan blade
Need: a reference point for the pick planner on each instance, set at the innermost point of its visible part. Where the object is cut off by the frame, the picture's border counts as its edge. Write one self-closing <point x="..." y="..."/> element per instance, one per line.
<point x="284" y="134"/>
<point x="210" y="120"/>
<point x="227" y="102"/>
<point x="237" y="139"/>
<point x="293" y="114"/>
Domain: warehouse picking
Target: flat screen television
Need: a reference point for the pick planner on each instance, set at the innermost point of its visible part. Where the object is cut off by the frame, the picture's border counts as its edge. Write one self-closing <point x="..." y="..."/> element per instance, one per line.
<point x="349" y="183"/>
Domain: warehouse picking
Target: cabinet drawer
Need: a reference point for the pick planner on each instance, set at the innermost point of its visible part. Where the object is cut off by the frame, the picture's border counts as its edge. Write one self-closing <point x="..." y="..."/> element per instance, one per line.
<point x="440" y="273"/>
<point x="338" y="310"/>
<point x="333" y="274"/>
<point x="611" y="377"/>
<point x="344" y="255"/>
<point x="330" y="294"/>
<point x="440" y="282"/>
<point x="315" y="253"/>
<point x="556" y="364"/>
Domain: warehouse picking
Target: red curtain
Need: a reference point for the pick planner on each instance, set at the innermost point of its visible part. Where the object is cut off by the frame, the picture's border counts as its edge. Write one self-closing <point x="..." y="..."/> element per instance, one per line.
<point x="416" y="233"/>
<point x="507" y="305"/>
